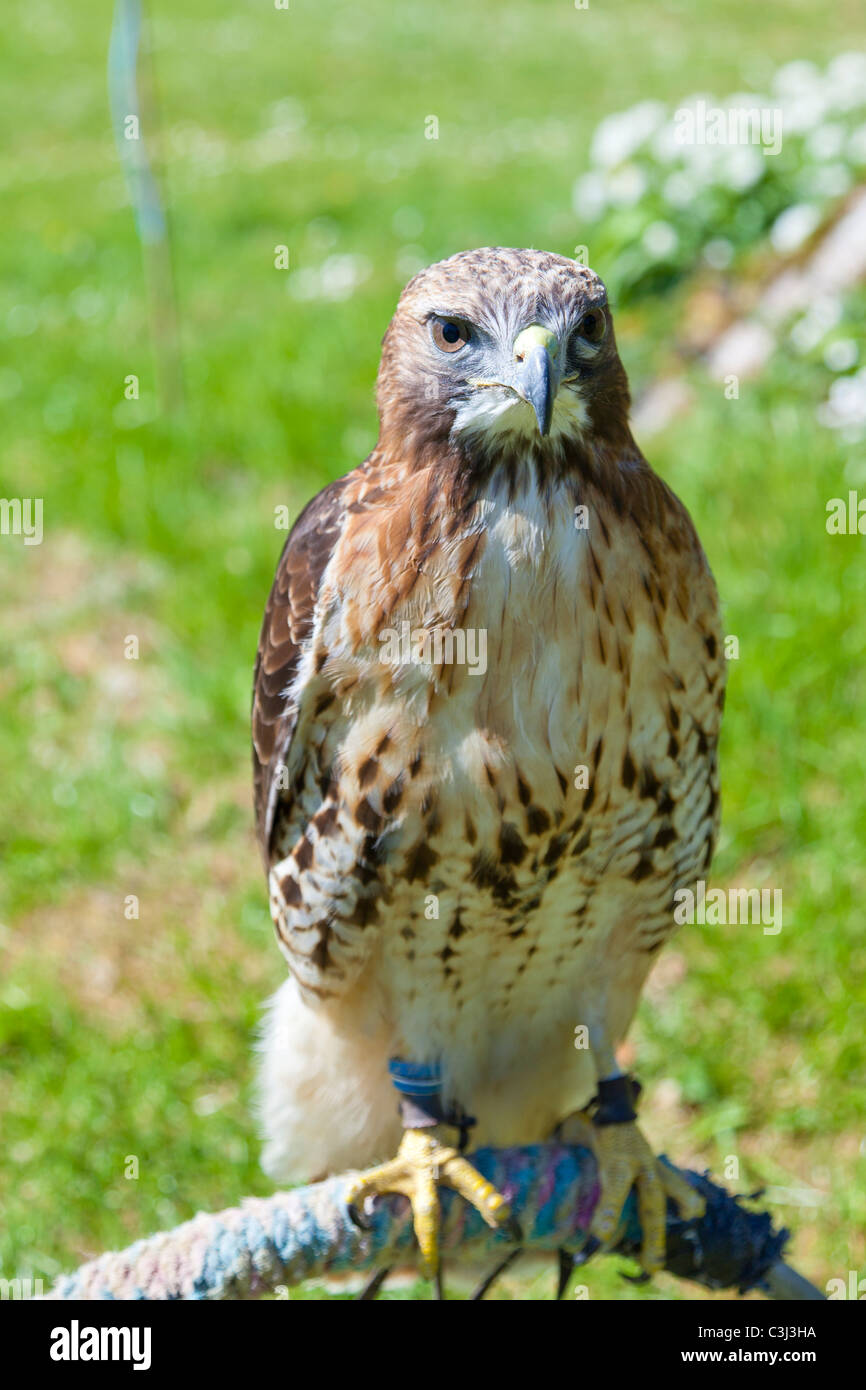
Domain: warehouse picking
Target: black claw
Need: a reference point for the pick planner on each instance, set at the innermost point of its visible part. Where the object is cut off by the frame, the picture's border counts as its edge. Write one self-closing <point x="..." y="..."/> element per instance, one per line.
<point x="438" y="1291"/>
<point x="358" y="1218"/>
<point x="566" y="1265"/>
<point x="514" y="1229"/>
<point x="494" y="1274"/>
<point x="642" y="1278"/>
<point x="371" y="1289"/>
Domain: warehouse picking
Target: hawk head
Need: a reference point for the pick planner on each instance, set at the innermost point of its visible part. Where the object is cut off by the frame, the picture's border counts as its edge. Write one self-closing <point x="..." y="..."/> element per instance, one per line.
<point x="497" y="351"/>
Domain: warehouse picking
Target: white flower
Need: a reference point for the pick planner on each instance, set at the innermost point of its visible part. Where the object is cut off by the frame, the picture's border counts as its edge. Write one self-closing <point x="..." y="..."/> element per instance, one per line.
<point x="626" y="186"/>
<point x="794" y="226"/>
<point x="618" y="137"/>
<point x="822" y="315"/>
<point x="856" y="150"/>
<point x="341" y="275"/>
<point x="803" y="113"/>
<point x="679" y="190"/>
<point x="826" y="141"/>
<point x="336" y="278"/>
<point x="660" y="240"/>
<point x="797" y="79"/>
<point x="846" y="81"/>
<point x="832" y="180"/>
<point x="845" y="407"/>
<point x="702" y="165"/>
<point x="841" y="355"/>
<point x="741" y="166"/>
<point x="666" y="146"/>
<point x="718" y="253"/>
<point x="589" y="196"/>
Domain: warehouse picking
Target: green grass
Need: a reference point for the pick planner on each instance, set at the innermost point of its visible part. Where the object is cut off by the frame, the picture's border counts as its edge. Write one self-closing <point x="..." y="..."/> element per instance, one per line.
<point x="123" y="1037"/>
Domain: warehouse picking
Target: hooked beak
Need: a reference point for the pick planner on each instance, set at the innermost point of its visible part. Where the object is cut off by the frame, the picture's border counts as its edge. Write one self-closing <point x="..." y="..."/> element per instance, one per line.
<point x="536" y="379"/>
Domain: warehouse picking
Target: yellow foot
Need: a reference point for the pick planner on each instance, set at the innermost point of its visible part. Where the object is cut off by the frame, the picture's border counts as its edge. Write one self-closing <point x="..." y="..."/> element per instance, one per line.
<point x="625" y="1159"/>
<point x="421" y="1164"/>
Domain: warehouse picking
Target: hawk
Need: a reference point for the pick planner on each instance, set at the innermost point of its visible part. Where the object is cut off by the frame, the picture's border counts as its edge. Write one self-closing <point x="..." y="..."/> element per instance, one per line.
<point x="487" y="703"/>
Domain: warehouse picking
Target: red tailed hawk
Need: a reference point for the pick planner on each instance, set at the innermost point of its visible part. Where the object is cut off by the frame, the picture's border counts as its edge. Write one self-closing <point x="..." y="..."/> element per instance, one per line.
<point x="487" y="702"/>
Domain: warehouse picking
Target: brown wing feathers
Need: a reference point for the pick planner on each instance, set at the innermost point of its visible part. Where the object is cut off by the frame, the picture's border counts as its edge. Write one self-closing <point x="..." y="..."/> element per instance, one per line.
<point x="287" y="623"/>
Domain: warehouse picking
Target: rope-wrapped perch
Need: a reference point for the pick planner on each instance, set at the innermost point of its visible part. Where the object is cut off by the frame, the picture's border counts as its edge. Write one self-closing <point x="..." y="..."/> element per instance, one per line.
<point x="552" y="1189"/>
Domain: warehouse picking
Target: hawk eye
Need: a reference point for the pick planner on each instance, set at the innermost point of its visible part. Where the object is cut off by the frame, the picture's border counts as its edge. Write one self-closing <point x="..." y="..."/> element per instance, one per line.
<point x="592" y="326"/>
<point x="448" y="335"/>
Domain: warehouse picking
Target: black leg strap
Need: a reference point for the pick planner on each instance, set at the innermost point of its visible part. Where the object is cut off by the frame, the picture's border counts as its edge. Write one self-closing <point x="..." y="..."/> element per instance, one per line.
<point x="423" y="1112"/>
<point x="419" y="1087"/>
<point x="614" y="1103"/>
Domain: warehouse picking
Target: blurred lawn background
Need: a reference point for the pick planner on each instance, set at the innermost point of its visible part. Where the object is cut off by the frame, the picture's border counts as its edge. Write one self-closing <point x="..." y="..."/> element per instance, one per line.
<point x="133" y="1037"/>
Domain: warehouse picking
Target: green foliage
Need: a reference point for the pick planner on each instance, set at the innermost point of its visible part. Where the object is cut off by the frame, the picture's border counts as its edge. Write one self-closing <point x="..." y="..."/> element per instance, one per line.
<point x="706" y="178"/>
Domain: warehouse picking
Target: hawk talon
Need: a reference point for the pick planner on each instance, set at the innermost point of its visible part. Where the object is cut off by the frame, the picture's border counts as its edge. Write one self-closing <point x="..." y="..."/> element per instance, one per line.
<point x="625" y="1160"/>
<point x="565" y="1268"/>
<point x="570" y="1260"/>
<point x="423" y="1163"/>
<point x="514" y="1229"/>
<point x="489" y="1280"/>
<point x="358" y="1218"/>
